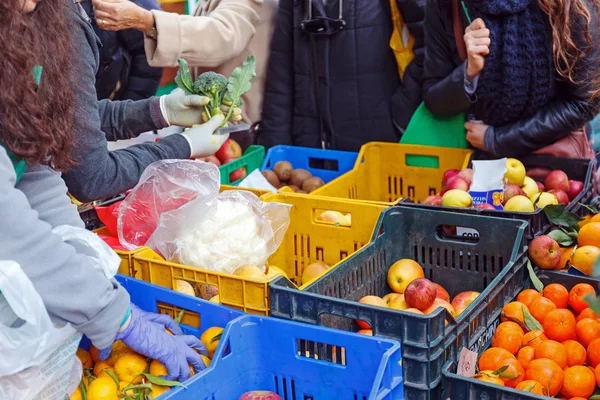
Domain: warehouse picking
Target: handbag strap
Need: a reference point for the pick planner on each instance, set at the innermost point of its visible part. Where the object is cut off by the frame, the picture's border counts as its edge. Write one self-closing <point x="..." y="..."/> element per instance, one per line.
<point x="458" y="30"/>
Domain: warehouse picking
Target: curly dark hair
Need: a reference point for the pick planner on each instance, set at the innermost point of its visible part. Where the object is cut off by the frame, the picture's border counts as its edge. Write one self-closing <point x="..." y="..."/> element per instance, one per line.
<point x="36" y="122"/>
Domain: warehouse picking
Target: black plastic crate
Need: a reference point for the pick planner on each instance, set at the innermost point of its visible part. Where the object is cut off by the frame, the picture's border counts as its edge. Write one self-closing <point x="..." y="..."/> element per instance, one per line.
<point x="492" y="264"/>
<point x="461" y="387"/>
<point x="577" y="169"/>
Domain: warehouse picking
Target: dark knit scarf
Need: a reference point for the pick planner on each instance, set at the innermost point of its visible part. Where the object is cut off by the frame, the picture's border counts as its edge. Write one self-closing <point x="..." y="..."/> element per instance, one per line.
<point x="517" y="79"/>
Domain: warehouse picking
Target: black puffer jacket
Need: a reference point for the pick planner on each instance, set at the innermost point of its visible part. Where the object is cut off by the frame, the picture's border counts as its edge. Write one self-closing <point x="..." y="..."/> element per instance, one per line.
<point x="444" y="88"/>
<point x="357" y="77"/>
<point x="123" y="61"/>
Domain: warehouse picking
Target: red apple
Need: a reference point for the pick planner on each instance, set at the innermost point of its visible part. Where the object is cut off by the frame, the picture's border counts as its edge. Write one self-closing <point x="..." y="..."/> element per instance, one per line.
<point x="541" y="186"/>
<point x="420" y="294"/>
<point x="561" y="196"/>
<point x="463" y="300"/>
<point x="575" y="187"/>
<point x="557" y="179"/>
<point x="544" y="252"/>
<point x="456" y="183"/>
<point x="230" y="150"/>
<point x="511" y="190"/>
<point x="441" y="303"/>
<point x="259" y="395"/>
<point x="467" y="175"/>
<point x="372" y="301"/>
<point x="214" y="160"/>
<point x="449" y="230"/>
<point x="237" y="174"/>
<point x="434" y="200"/>
<point x="485" y="206"/>
<point x="451" y="173"/>
<point x="442" y="293"/>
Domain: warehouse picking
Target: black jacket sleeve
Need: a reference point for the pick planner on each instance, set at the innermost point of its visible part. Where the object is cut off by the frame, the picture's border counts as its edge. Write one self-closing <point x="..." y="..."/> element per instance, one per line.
<point x="443" y="81"/>
<point x="143" y="80"/>
<point x="571" y="110"/>
<point x="278" y="103"/>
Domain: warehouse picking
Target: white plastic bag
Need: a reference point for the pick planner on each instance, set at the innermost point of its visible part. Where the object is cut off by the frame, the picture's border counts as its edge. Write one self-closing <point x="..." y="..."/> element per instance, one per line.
<point x="191" y="223"/>
<point x="92" y="246"/>
<point x="37" y="357"/>
<point x="256" y="180"/>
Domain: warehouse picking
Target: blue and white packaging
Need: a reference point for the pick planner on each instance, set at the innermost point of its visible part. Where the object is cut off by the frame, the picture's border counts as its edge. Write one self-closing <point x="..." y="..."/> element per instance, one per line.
<point x="488" y="182"/>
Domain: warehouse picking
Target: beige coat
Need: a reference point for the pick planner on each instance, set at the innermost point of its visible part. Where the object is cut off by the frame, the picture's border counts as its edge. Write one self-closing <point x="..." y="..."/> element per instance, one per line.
<point x="219" y="37"/>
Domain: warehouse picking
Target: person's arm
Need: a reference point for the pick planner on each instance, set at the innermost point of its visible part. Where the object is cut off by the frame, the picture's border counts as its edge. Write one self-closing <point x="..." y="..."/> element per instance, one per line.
<point x="570" y="111"/>
<point x="126" y="119"/>
<point x="208" y="41"/>
<point x="444" y="89"/>
<point x="70" y="287"/>
<point x="100" y="173"/>
<point x="278" y="103"/>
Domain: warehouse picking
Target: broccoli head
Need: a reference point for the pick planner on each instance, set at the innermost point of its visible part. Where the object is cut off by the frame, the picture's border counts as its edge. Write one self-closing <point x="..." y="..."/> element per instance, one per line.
<point x="210" y="84"/>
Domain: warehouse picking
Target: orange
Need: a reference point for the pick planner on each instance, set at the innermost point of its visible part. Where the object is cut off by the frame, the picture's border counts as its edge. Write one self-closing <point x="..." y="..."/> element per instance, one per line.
<point x="579" y="382"/>
<point x="207" y="338"/>
<point x="508" y="338"/>
<point x="566" y="254"/>
<point x="158" y="390"/>
<point x="595" y="218"/>
<point x="540" y="307"/>
<point x="100" y="367"/>
<point x="533" y="338"/>
<point x="118" y="349"/>
<point x="558" y="294"/>
<point x="588" y="313"/>
<point x="527" y="296"/>
<point x="513" y="311"/>
<point x="103" y="388"/>
<point x="510" y="325"/>
<point x="77" y="394"/>
<point x="158" y="369"/>
<point x="94" y="354"/>
<point x="577" y="294"/>
<point x="593" y="353"/>
<point x="525" y="355"/>
<point x="86" y="358"/>
<point x="530" y="386"/>
<point x="587" y="219"/>
<point x="489" y="376"/>
<point x="587" y="330"/>
<point x="206" y="360"/>
<point x="597" y="373"/>
<point x="548" y="373"/>
<point x="584" y="258"/>
<point x="576" y="353"/>
<point x="130" y="367"/>
<point x="560" y="325"/>
<point x="516" y="372"/>
<point x="589" y="235"/>
<point x="554" y="351"/>
<point x="493" y="358"/>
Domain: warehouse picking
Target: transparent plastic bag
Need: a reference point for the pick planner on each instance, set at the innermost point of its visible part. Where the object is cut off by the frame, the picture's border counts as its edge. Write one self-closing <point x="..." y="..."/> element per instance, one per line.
<point x="92" y="246"/>
<point x="38" y="358"/>
<point x="164" y="186"/>
<point x="203" y="229"/>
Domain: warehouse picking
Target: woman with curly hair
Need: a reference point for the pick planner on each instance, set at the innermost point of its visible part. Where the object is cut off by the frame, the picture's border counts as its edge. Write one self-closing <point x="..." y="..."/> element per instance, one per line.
<point x="526" y="79"/>
<point x="36" y="136"/>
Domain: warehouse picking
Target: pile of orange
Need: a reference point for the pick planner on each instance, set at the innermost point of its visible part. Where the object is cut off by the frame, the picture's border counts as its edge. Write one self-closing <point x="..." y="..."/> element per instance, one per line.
<point x="561" y="359"/>
<point x="587" y="250"/>
<point x="126" y="372"/>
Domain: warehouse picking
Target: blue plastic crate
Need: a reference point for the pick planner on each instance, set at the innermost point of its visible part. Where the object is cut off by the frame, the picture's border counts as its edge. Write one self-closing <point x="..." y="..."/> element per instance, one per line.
<point x="298" y="362"/>
<point x="325" y="164"/>
<point x="462" y="387"/>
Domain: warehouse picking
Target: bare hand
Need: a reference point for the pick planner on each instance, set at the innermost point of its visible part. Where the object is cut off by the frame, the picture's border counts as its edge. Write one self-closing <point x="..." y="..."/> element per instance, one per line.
<point x="116" y="15"/>
<point x="477" y="41"/>
<point x="476" y="134"/>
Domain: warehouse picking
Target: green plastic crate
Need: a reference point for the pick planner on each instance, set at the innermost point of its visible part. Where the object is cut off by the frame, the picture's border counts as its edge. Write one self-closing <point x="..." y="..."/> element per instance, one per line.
<point x="251" y="160"/>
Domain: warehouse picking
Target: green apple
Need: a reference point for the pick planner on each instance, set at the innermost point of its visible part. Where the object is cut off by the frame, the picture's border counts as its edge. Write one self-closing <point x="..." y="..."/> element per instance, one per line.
<point x="515" y="172"/>
<point x="519" y="203"/>
<point x="543" y="199"/>
<point x="530" y="187"/>
<point x="457" y="198"/>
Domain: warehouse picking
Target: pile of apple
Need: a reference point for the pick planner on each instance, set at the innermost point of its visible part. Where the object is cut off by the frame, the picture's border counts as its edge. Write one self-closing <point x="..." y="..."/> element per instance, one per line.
<point x="521" y="192"/>
<point x="230" y="151"/>
<point x="413" y="293"/>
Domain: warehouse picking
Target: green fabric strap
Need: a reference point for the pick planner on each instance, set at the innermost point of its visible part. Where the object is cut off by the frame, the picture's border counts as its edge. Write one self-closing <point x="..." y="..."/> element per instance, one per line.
<point x="428" y="130"/>
<point x="18" y="163"/>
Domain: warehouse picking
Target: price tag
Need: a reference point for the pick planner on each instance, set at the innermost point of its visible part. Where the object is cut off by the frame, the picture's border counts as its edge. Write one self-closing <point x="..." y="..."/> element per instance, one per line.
<point x="467" y="363"/>
<point x="467" y="232"/>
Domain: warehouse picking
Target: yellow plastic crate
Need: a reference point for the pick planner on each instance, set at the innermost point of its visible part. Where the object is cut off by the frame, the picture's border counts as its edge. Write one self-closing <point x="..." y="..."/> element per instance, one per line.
<point x="307" y="240"/>
<point x="259" y="193"/>
<point x="381" y="175"/>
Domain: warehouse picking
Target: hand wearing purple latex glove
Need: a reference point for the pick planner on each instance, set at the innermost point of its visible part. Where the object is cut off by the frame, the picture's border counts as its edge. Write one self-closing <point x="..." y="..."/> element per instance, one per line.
<point x="145" y="333"/>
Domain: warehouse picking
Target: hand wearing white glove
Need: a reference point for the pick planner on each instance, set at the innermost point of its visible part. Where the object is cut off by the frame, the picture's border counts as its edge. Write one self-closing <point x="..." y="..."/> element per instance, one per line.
<point x="181" y="109"/>
<point x="201" y="139"/>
